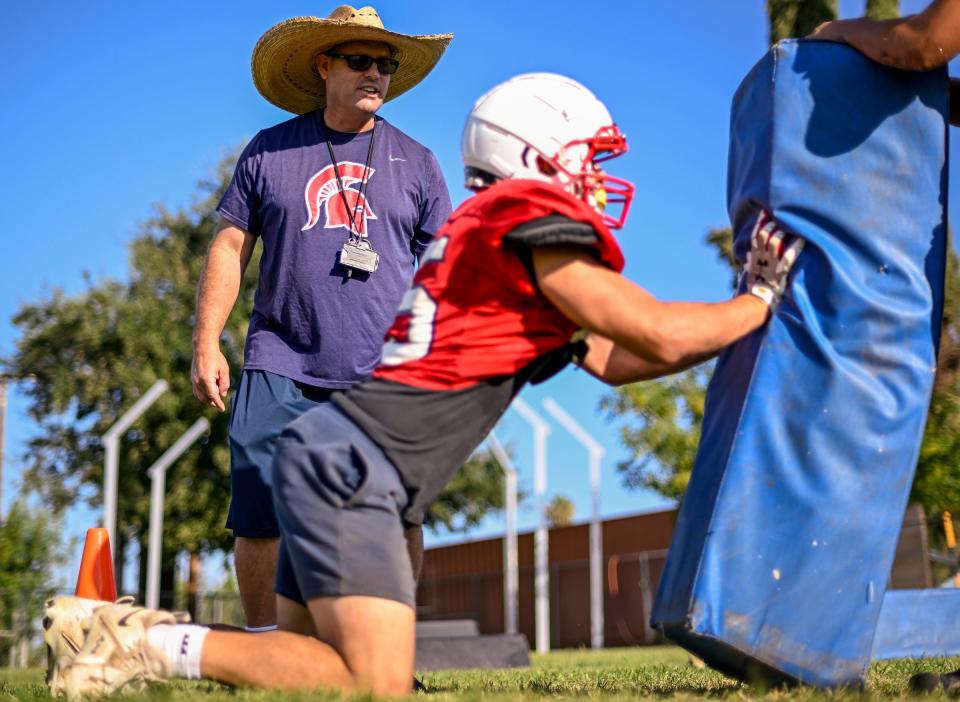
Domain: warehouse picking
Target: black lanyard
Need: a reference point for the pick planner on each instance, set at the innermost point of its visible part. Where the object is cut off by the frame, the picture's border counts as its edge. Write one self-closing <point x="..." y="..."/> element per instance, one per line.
<point x="363" y="182"/>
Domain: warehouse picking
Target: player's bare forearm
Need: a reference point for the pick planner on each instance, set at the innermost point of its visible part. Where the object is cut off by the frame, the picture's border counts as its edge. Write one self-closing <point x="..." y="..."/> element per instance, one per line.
<point x="615" y="365"/>
<point x="702" y="330"/>
<point x="663" y="336"/>
<point x="917" y="42"/>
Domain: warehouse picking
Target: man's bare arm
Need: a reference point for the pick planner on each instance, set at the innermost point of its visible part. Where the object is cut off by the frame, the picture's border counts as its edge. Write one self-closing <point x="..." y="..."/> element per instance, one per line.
<point x="223" y="270"/>
<point x="634" y="335"/>
<point x="916" y="42"/>
<point x="616" y="366"/>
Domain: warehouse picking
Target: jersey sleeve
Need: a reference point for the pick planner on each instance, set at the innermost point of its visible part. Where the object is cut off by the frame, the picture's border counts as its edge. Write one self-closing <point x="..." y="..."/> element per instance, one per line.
<point x="240" y="204"/>
<point x="552" y="230"/>
<point x="528" y="201"/>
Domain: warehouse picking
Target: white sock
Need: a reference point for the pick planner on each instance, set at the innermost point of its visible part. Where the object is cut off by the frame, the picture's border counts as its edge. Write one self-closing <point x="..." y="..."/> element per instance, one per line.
<point x="182" y="644"/>
<point x="260" y="629"/>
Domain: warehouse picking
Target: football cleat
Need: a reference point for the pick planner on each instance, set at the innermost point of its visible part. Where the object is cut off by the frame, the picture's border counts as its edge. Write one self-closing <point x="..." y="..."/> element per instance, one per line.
<point x="63" y="632"/>
<point x="116" y="655"/>
<point x="926" y="683"/>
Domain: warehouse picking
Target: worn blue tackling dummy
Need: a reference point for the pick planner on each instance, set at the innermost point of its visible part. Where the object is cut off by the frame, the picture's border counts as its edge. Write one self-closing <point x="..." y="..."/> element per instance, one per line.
<point x="813" y="424"/>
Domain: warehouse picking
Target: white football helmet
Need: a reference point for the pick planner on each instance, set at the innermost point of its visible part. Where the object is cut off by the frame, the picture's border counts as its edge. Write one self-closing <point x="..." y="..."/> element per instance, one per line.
<point x="546" y="127"/>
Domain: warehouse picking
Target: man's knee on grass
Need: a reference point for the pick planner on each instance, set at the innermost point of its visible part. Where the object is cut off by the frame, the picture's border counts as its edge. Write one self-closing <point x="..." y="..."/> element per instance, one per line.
<point x="374" y="636"/>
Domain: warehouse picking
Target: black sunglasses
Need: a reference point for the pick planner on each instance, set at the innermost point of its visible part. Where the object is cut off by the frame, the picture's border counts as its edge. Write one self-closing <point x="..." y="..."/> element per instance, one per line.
<point x="360" y="62"/>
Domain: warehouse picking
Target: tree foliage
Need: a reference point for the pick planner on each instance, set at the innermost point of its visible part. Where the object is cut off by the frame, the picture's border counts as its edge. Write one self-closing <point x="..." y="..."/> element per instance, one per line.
<point x="720" y="239"/>
<point x="937" y="483"/>
<point x="883" y="9"/>
<point x="797" y="18"/>
<point x="475" y="490"/>
<point x="30" y="553"/>
<point x="661" y="429"/>
<point x="89" y="356"/>
<point x="560" y="511"/>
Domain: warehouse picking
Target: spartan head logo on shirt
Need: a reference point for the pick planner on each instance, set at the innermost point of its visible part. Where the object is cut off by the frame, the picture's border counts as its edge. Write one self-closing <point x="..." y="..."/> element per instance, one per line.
<point x="322" y="192"/>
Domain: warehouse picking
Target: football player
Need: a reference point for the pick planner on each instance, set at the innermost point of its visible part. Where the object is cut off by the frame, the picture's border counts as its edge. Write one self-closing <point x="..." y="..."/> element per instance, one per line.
<point x="498" y="301"/>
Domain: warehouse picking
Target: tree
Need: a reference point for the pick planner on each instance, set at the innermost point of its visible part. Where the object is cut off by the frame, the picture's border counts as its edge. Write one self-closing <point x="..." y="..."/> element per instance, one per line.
<point x="30" y="553"/>
<point x="937" y="482"/>
<point x="475" y="491"/>
<point x="721" y="240"/>
<point x="797" y="18"/>
<point x="91" y="355"/>
<point x="663" y="429"/>
<point x="560" y="511"/>
<point x="883" y="9"/>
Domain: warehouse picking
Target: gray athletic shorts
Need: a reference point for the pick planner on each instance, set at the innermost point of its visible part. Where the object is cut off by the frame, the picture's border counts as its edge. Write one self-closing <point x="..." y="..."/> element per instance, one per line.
<point x="338" y="501"/>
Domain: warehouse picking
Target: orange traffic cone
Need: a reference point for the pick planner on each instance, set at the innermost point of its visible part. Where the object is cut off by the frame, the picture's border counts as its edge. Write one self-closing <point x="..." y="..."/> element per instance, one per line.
<point x="95" y="581"/>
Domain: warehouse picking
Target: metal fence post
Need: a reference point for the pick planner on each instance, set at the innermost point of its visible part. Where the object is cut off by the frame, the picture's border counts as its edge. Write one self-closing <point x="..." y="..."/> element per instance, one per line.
<point x="111" y="445"/>
<point x="511" y="572"/>
<point x="541" y="541"/>
<point x="595" y="451"/>
<point x="158" y="473"/>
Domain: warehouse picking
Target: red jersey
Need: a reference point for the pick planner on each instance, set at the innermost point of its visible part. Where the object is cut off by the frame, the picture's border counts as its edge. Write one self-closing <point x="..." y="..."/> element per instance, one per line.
<point x="473" y="311"/>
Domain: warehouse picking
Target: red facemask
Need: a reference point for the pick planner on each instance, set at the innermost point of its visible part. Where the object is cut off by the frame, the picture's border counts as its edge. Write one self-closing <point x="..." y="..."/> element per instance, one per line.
<point x="597" y="188"/>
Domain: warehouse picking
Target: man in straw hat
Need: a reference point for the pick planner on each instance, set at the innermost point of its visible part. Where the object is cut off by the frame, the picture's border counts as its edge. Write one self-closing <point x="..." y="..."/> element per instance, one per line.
<point x="344" y="203"/>
<point x="496" y="303"/>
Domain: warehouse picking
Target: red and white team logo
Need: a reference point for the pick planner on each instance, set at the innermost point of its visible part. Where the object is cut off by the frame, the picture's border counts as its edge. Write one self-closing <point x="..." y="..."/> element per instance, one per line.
<point x="323" y="192"/>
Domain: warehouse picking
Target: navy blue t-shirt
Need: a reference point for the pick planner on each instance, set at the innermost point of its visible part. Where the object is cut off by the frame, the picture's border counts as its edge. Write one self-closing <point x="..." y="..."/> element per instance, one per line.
<point x="311" y="321"/>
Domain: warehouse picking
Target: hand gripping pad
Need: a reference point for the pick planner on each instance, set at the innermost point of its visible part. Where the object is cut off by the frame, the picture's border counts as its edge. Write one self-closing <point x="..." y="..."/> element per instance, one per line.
<point x="813" y="424"/>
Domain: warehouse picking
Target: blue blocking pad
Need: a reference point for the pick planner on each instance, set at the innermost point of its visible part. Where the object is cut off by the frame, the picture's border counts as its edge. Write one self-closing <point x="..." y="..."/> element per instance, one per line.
<point x="813" y="424"/>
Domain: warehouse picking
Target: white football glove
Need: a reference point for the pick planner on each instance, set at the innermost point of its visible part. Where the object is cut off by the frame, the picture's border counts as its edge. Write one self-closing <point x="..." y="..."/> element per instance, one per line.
<point x="772" y="254"/>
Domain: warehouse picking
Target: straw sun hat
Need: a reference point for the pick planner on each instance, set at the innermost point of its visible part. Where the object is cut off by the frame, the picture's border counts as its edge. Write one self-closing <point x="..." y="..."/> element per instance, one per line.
<point x="283" y="60"/>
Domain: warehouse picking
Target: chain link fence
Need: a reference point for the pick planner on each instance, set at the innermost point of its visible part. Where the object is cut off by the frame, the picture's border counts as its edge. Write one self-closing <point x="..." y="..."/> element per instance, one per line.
<point x="630" y="583"/>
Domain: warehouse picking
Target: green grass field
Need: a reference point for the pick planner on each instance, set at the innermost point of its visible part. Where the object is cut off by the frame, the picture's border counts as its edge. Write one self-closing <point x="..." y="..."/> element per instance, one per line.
<point x="606" y="676"/>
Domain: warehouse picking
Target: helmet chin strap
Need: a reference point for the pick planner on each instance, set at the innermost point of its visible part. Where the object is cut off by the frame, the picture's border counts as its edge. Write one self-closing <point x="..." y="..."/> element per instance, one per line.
<point x="598" y="199"/>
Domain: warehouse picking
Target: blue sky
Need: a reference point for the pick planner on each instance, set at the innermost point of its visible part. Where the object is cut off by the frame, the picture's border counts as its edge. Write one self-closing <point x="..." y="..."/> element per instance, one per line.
<point x="111" y="109"/>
